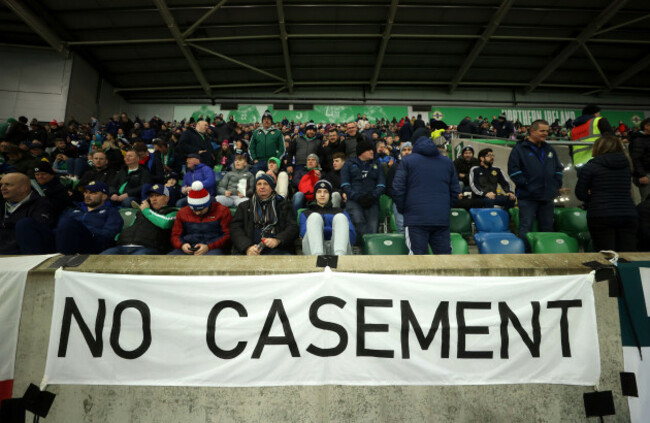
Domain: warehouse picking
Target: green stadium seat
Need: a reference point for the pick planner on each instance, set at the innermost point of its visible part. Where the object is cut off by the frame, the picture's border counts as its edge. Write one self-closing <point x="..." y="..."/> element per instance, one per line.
<point x="128" y="216"/>
<point x="551" y="243"/>
<point x="384" y="244"/>
<point x="572" y="221"/>
<point x="585" y="242"/>
<point x="385" y="211"/>
<point x="232" y="210"/>
<point x="299" y="213"/>
<point x="458" y="244"/>
<point x="460" y="222"/>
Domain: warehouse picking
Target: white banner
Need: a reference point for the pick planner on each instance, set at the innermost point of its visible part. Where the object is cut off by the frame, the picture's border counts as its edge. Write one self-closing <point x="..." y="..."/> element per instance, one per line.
<point x="322" y="328"/>
<point x="13" y="274"/>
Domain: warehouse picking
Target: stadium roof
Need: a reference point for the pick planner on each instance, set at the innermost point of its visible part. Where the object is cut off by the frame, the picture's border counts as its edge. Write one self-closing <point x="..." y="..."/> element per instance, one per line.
<point x="161" y="49"/>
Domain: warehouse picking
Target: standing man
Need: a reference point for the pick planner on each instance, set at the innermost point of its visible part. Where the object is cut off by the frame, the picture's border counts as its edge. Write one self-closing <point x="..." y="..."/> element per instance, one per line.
<point x="363" y="182"/>
<point x="503" y="127"/>
<point x="640" y="153"/>
<point x="536" y="170"/>
<point x="331" y="146"/>
<point x="303" y="147"/>
<point x="424" y="189"/>
<point x="352" y="138"/>
<point x="484" y="179"/>
<point x="266" y="142"/>
<point x="196" y="141"/>
<point x="588" y="128"/>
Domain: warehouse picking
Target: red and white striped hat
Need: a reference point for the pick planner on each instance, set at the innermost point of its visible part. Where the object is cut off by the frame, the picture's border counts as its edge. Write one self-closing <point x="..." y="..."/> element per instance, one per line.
<point x="198" y="197"/>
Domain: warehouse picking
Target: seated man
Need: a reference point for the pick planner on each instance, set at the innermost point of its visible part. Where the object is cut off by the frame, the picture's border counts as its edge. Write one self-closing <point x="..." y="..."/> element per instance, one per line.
<point x="334" y="178"/>
<point x="202" y="227"/>
<point x="265" y="224"/>
<point x="99" y="171"/>
<point x="91" y="226"/>
<point x="281" y="178"/>
<point x="22" y="208"/>
<point x="237" y="186"/>
<point x="463" y="164"/>
<point x="304" y="180"/>
<point x="151" y="230"/>
<point x="52" y="187"/>
<point x="127" y="185"/>
<point x="483" y="180"/>
<point x="196" y="171"/>
<point x="324" y="222"/>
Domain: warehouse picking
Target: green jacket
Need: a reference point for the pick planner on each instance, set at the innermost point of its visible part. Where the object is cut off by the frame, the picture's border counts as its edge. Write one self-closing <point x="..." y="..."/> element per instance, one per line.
<point x="266" y="144"/>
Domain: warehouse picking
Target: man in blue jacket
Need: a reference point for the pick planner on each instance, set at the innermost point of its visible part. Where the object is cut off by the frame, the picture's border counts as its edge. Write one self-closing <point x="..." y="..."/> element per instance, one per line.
<point x="536" y="170"/>
<point x="424" y="189"/>
<point x="197" y="171"/>
<point x="363" y="182"/>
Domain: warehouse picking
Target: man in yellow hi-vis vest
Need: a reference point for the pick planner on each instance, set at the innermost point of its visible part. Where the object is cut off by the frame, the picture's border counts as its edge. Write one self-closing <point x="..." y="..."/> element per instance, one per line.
<point x="588" y="128"/>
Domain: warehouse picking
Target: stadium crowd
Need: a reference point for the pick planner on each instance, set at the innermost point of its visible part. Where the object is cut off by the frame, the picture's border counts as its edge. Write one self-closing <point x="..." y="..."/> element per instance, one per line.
<point x="210" y="186"/>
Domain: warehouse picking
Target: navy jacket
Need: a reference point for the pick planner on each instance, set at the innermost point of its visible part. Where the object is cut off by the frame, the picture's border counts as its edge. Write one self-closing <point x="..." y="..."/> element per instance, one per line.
<point x="425" y="186"/>
<point x="37" y="207"/>
<point x="362" y="178"/>
<point x="104" y="221"/>
<point x="608" y="178"/>
<point x="537" y="172"/>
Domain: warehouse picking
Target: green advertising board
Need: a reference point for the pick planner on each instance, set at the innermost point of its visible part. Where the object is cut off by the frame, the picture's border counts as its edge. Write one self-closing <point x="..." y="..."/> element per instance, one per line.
<point x="248" y="113"/>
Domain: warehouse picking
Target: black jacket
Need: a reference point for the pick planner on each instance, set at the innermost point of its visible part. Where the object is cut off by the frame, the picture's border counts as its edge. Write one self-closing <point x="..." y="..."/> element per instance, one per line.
<point x="608" y="179"/>
<point x="485" y="179"/>
<point x="37" y="207"/>
<point x="191" y="142"/>
<point x="58" y="196"/>
<point x="134" y="181"/>
<point x="242" y="227"/>
<point x="640" y="153"/>
<point x="144" y="232"/>
<point x="463" y="166"/>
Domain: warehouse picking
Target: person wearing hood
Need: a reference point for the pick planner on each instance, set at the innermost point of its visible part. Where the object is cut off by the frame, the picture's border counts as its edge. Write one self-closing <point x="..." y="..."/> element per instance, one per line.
<point x="464" y="163"/>
<point x="466" y="127"/>
<point x="237" y="186"/>
<point x="588" y="128"/>
<point x="424" y="190"/>
<point x="265" y="225"/>
<point x="363" y="182"/>
<point x="604" y="185"/>
<point x="324" y="222"/>
<point x="536" y="170"/>
<point x="265" y="143"/>
<point x="504" y="128"/>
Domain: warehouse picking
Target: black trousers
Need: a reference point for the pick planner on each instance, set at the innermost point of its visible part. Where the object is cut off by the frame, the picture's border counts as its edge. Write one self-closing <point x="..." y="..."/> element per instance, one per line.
<point x="616" y="233"/>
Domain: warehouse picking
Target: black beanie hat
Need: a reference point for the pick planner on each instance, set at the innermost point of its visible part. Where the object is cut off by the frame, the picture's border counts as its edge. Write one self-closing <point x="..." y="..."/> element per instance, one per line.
<point x="267" y="114"/>
<point x="364" y="145"/>
<point x="323" y="184"/>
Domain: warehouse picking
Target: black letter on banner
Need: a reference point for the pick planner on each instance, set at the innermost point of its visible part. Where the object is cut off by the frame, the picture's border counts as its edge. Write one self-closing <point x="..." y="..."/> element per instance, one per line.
<point x="95" y="344"/>
<point x="363" y="327"/>
<point x="441" y="317"/>
<point x="464" y="330"/>
<point x="276" y="308"/>
<point x="117" y="327"/>
<point x="321" y="324"/>
<point x="506" y="314"/>
<point x="564" y="322"/>
<point x="212" y="322"/>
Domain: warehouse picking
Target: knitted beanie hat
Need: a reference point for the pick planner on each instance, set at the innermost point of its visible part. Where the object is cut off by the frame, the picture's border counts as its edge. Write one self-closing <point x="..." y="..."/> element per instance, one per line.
<point x="198" y="197"/>
<point x="323" y="184"/>
<point x="268" y="179"/>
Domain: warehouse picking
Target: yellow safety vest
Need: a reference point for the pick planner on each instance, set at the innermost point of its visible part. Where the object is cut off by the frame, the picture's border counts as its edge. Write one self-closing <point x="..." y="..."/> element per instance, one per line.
<point x="587" y="132"/>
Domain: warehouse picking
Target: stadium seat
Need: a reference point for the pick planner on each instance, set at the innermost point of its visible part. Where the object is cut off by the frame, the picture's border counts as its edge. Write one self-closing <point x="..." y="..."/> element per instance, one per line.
<point x="585" y="242"/>
<point x="490" y="220"/>
<point x="458" y="244"/>
<point x="232" y="210"/>
<point x="514" y="215"/>
<point x="481" y="236"/>
<point x="460" y="222"/>
<point x="299" y="213"/>
<point x="128" y="216"/>
<point x="551" y="243"/>
<point x="385" y="210"/>
<point x="572" y="222"/>
<point x="500" y="243"/>
<point x="384" y="244"/>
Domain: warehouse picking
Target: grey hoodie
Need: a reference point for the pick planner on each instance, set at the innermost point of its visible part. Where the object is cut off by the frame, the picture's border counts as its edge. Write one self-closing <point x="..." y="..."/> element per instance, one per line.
<point x="232" y="178"/>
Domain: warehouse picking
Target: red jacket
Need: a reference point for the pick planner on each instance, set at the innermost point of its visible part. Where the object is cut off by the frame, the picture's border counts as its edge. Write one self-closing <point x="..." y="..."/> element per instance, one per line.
<point x="307" y="183"/>
<point x="212" y="229"/>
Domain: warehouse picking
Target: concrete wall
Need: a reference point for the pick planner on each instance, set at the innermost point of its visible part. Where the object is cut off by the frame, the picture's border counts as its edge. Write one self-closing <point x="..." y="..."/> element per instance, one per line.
<point x="499" y="403"/>
<point x="33" y="83"/>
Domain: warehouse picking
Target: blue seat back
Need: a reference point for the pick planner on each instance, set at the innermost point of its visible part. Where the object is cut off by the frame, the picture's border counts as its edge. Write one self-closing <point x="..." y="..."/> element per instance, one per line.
<point x="490" y="220"/>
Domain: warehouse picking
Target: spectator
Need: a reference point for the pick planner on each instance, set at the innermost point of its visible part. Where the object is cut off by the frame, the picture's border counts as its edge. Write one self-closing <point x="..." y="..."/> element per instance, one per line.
<point x="51" y="186"/>
<point x="128" y="183"/>
<point x="280" y="177"/>
<point x="100" y="171"/>
<point x="148" y="133"/>
<point x="265" y="225"/>
<point x="604" y="185"/>
<point x="195" y="141"/>
<point x="304" y="180"/>
<point x="424" y="190"/>
<point x="324" y="222"/>
<point x="363" y="182"/>
<point x="221" y="130"/>
<point x="237" y="186"/>
<point x="196" y="171"/>
<point x="466" y="127"/>
<point x="536" y="170"/>
<point x="484" y="179"/>
<point x="113" y="153"/>
<point x="405" y="150"/>
<point x="23" y="211"/>
<point x="503" y="127"/>
<point x="352" y="138"/>
<point x="202" y="227"/>
<point x="17" y="159"/>
<point x="640" y="152"/>
<point x="225" y="157"/>
<point x="303" y="147"/>
<point x="334" y="178"/>
<point x="150" y="231"/>
<point x="463" y="164"/>
<point x="331" y="146"/>
<point x="587" y="128"/>
<point x="266" y="142"/>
